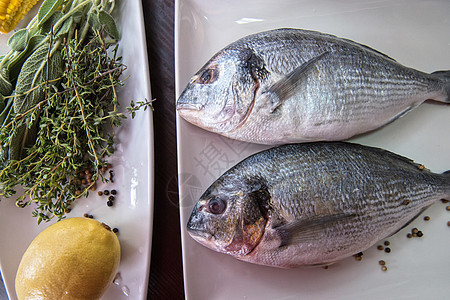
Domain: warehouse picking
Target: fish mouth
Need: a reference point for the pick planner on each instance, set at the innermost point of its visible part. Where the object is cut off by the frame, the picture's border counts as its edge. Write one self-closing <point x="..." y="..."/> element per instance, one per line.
<point x="202" y="238"/>
<point x="189" y="106"/>
<point x="199" y="235"/>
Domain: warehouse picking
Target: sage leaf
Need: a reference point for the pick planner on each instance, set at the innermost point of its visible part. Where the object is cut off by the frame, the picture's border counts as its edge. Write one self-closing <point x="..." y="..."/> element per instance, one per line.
<point x="24" y="134"/>
<point x="19" y="40"/>
<point x="110" y="25"/>
<point x="34" y="73"/>
<point x="15" y="65"/>
<point x="36" y="70"/>
<point x="5" y="84"/>
<point x="94" y="22"/>
<point x="47" y="9"/>
<point x="46" y="27"/>
<point x="5" y="114"/>
<point x="15" y="146"/>
<point x="65" y="27"/>
<point x="2" y="104"/>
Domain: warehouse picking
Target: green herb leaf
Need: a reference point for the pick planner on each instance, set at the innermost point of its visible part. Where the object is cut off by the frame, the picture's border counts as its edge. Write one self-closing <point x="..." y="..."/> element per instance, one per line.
<point x="4" y="115"/>
<point x="5" y="84"/>
<point x="110" y="25"/>
<point x="15" y="143"/>
<point x="2" y="104"/>
<point x="47" y="25"/>
<point x="47" y="9"/>
<point x="65" y="27"/>
<point x="28" y="93"/>
<point x="15" y="65"/>
<point x="33" y="73"/>
<point x="19" y="40"/>
<point x="94" y="22"/>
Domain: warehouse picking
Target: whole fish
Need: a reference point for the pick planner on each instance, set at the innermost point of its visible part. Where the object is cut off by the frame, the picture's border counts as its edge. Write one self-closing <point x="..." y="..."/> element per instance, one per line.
<point x="291" y="85"/>
<point x="312" y="204"/>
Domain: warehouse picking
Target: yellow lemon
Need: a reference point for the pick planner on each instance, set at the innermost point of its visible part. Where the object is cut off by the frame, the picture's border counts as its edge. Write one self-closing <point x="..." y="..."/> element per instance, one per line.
<point x="75" y="258"/>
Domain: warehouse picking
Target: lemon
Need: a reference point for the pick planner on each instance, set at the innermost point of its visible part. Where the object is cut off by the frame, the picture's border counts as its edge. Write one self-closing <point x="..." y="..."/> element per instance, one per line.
<point x="75" y="258"/>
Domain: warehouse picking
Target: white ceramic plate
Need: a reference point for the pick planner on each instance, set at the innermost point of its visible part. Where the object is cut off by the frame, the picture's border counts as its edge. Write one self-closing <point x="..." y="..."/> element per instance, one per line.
<point x="132" y="163"/>
<point x="414" y="32"/>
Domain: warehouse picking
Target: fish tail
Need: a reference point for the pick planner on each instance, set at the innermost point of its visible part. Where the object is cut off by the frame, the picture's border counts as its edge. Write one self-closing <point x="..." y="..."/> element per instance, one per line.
<point x="444" y="77"/>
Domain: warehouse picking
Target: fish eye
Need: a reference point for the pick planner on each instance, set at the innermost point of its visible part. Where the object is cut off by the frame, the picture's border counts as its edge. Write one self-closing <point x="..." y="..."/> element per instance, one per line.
<point x="217" y="206"/>
<point x="208" y="76"/>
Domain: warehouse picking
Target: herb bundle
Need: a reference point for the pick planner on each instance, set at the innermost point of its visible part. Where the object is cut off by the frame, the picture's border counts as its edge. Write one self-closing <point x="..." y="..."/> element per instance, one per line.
<point x="59" y="105"/>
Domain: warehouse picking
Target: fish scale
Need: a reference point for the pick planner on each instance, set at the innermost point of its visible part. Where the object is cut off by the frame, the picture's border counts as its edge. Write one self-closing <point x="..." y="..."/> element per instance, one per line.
<point x="308" y="85"/>
<point x="313" y="203"/>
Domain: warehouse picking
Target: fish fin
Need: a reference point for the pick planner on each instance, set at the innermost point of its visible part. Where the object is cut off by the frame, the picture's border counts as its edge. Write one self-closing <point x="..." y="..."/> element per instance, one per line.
<point x="444" y="76"/>
<point x="401" y="114"/>
<point x="410" y="221"/>
<point x="287" y="86"/>
<point x="306" y="230"/>
<point x="370" y="49"/>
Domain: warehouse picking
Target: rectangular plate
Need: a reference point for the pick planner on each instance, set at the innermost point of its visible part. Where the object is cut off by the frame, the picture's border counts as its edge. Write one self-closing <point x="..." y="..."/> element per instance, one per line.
<point x="132" y="163"/>
<point x="413" y="32"/>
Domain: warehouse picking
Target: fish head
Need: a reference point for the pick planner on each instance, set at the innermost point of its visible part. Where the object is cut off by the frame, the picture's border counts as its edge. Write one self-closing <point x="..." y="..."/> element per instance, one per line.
<point x="220" y="96"/>
<point x="230" y="217"/>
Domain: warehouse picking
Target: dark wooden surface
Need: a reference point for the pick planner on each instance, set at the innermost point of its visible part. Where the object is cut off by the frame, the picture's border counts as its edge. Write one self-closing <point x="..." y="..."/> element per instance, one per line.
<point x="166" y="276"/>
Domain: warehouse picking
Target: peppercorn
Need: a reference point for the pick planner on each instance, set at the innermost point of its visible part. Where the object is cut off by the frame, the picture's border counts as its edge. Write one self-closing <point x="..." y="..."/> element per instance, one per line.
<point x="415" y="230"/>
<point x="426" y="218"/>
<point x="380" y="247"/>
<point x="109" y="203"/>
<point x="448" y="208"/>
<point x="382" y="262"/>
<point x="444" y="201"/>
<point x="384" y="268"/>
<point x="90" y="216"/>
<point x="113" y="192"/>
<point x="420" y="234"/>
<point x="386" y="243"/>
<point x="115" y="230"/>
<point x="448" y="223"/>
<point x="106" y="192"/>
<point x="111" y="198"/>
<point x="409" y="235"/>
<point x="100" y="193"/>
<point x="387" y="250"/>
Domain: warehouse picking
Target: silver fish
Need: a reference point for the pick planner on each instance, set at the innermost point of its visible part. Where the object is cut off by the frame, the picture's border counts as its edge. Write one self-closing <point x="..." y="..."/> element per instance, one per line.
<point x="312" y="204"/>
<point x="292" y="86"/>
